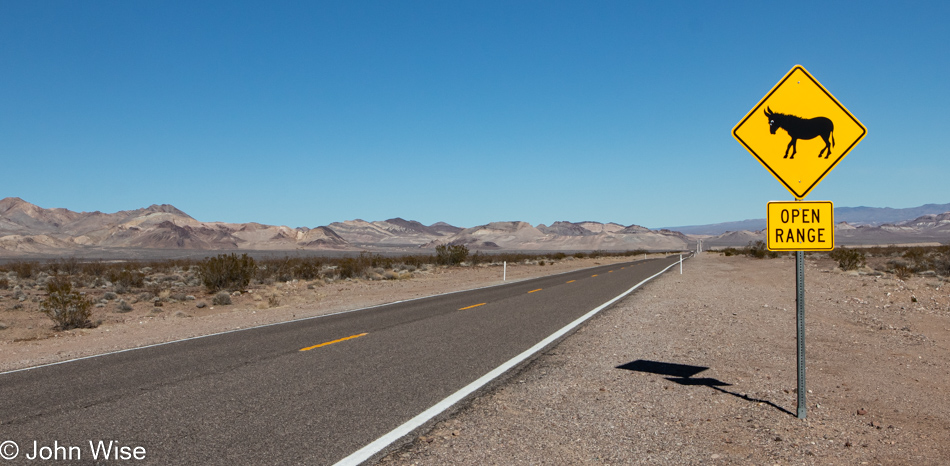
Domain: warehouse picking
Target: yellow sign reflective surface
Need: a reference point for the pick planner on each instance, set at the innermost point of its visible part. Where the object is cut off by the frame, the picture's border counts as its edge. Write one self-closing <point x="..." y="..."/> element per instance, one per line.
<point x="801" y="226"/>
<point x="799" y="132"/>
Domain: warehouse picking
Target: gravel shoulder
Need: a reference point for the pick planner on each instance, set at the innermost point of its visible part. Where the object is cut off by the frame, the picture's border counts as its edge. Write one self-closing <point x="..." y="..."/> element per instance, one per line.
<point x="700" y="368"/>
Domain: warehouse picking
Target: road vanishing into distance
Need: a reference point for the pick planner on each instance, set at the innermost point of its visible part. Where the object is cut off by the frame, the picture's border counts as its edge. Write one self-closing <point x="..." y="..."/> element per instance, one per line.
<point x="312" y="391"/>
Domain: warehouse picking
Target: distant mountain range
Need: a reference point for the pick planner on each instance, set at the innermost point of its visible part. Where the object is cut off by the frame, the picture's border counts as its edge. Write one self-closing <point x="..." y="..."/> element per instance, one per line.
<point x="27" y="230"/>
<point x="855" y="216"/>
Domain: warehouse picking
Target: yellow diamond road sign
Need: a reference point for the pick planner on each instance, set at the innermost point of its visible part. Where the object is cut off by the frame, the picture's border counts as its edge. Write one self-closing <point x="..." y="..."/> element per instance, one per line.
<point x="799" y="131"/>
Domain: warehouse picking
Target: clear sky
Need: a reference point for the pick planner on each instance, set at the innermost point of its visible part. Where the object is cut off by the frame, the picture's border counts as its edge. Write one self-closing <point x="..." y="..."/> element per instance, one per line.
<point x="305" y="113"/>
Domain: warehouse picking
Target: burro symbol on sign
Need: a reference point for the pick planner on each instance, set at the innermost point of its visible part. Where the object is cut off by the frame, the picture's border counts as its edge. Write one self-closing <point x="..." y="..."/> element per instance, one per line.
<point x="802" y="128"/>
<point x="801" y="226"/>
<point x="799" y="132"/>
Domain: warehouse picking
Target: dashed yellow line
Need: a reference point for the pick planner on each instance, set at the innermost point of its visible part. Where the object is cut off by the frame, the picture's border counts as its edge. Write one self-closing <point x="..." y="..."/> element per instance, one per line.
<point x="332" y="342"/>
<point x="572" y="281"/>
<point x="474" y="305"/>
<point x="532" y="291"/>
<point x="594" y="275"/>
<point x="610" y="271"/>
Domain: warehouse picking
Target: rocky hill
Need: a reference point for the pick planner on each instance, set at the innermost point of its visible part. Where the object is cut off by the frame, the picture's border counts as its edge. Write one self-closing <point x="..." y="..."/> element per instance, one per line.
<point x="28" y="229"/>
<point x="565" y="236"/>
<point x="393" y="232"/>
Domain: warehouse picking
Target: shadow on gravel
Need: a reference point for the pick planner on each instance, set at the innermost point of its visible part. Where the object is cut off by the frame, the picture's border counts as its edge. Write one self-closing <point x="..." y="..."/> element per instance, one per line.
<point x="683" y="373"/>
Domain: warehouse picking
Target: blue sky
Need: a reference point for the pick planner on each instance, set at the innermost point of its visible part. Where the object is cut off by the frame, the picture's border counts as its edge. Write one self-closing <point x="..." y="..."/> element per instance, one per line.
<point x="306" y="113"/>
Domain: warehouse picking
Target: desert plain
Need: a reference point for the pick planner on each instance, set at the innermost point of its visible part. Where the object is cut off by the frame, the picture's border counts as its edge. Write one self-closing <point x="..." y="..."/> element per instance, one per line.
<point x="693" y="368"/>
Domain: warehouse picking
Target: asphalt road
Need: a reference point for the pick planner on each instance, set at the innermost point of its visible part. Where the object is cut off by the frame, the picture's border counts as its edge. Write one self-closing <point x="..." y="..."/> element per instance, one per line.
<point x="254" y="397"/>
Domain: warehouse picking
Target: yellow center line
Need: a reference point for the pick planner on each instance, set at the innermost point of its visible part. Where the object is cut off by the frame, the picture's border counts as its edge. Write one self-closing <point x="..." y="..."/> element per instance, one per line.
<point x="572" y="281"/>
<point x="532" y="291"/>
<point x="610" y="271"/>
<point x="594" y="275"/>
<point x="475" y="305"/>
<point x="332" y="342"/>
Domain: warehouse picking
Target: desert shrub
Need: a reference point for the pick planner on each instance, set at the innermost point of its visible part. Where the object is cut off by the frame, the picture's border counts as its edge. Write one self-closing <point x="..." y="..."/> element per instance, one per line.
<point x="94" y="269"/>
<point x="288" y="269"/>
<point x="848" y="259"/>
<point x="416" y="261"/>
<point x="917" y="257"/>
<point x="109" y="296"/>
<point x="68" y="308"/>
<point x="155" y="288"/>
<point x="941" y="260"/>
<point x="68" y="266"/>
<point x="365" y="265"/>
<point x="559" y="256"/>
<point x="273" y="300"/>
<point x="731" y="252"/>
<point x="23" y="269"/>
<point x="127" y="277"/>
<point x="226" y="272"/>
<point x="123" y="306"/>
<point x="307" y="269"/>
<point x="4" y="283"/>
<point x="349" y="267"/>
<point x="759" y="250"/>
<point x="18" y="293"/>
<point x="223" y="298"/>
<point x="478" y="258"/>
<point x="378" y="261"/>
<point x="453" y="254"/>
<point x="901" y="271"/>
<point x="579" y="255"/>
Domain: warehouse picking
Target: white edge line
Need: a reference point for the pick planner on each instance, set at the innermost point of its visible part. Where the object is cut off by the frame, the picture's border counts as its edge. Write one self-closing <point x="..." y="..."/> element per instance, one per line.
<point x="367" y="452"/>
<point x="91" y="356"/>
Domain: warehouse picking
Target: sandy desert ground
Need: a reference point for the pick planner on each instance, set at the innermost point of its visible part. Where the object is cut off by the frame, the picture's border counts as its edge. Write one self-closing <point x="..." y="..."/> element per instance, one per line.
<point x="697" y="368"/>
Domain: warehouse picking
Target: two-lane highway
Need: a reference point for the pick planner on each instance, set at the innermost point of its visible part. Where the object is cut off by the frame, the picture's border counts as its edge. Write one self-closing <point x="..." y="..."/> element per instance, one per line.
<point x="306" y="392"/>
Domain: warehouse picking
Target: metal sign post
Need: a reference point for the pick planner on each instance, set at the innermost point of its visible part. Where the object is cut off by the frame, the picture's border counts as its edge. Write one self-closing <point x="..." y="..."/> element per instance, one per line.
<point x="800" y="304"/>
<point x="803" y="110"/>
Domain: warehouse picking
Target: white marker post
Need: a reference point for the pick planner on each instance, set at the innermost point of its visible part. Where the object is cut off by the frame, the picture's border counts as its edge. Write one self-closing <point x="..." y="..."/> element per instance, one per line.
<point x="681" y="264"/>
<point x="504" y="273"/>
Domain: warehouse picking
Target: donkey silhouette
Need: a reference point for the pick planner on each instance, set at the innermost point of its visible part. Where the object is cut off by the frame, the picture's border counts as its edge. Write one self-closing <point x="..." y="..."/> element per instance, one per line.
<point x="802" y="128"/>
